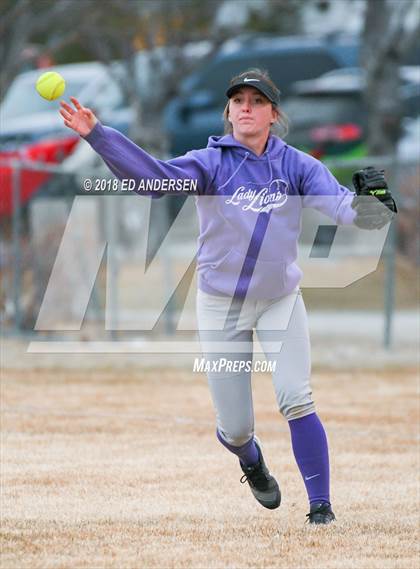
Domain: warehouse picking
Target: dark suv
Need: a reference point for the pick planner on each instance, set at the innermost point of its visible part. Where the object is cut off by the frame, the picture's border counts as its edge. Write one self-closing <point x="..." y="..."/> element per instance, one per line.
<point x="196" y="113"/>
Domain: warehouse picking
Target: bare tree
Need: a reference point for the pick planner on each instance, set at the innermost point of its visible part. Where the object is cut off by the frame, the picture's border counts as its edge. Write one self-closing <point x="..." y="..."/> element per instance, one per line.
<point x="125" y="28"/>
<point x="390" y="30"/>
<point x="21" y="21"/>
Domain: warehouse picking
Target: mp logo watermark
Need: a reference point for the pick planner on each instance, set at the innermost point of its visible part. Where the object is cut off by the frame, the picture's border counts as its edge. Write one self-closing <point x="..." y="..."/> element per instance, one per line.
<point x="141" y="288"/>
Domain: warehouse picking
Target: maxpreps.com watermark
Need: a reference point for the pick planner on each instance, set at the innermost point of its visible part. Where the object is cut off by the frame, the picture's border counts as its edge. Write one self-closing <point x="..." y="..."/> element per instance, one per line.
<point x="222" y="365"/>
<point x="143" y="186"/>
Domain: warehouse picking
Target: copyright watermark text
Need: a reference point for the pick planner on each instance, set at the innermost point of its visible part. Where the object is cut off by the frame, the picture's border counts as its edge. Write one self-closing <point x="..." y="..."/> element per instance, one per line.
<point x="148" y="185"/>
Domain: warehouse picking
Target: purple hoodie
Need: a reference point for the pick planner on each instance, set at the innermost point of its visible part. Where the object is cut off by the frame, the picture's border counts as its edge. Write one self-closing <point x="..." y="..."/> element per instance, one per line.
<point x="249" y="206"/>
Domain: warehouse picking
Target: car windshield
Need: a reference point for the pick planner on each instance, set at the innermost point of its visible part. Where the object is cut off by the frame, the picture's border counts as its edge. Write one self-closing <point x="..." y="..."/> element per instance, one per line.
<point x="22" y="98"/>
<point x="316" y="109"/>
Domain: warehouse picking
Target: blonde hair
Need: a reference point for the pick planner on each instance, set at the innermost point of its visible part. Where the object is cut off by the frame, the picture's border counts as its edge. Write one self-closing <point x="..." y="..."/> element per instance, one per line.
<point x="280" y="127"/>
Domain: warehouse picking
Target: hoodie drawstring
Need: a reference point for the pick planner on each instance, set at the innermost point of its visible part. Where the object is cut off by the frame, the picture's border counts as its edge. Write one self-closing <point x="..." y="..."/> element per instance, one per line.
<point x="235" y="171"/>
<point x="270" y="167"/>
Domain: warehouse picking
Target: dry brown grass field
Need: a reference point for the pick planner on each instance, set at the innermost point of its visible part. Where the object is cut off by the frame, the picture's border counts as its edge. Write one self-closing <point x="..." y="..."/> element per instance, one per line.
<point x="119" y="469"/>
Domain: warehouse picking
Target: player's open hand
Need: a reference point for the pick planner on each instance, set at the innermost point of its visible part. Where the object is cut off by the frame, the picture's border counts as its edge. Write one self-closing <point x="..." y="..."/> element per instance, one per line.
<point x="80" y="119"/>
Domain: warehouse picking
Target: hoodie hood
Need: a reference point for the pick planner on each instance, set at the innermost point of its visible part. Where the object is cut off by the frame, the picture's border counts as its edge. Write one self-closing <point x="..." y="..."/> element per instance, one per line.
<point x="239" y="163"/>
<point x="275" y="146"/>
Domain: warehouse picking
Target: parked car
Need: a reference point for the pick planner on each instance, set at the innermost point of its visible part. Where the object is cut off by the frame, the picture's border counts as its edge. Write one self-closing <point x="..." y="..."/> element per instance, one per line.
<point x="196" y="113"/>
<point x="328" y="116"/>
<point x="32" y="128"/>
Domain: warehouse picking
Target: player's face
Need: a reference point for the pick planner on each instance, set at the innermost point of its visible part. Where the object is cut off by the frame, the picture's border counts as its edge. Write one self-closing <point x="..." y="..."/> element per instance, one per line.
<point x="250" y="113"/>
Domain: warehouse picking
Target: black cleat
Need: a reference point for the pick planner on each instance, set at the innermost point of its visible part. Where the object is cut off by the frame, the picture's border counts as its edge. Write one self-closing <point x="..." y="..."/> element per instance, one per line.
<point x="321" y="513"/>
<point x="262" y="484"/>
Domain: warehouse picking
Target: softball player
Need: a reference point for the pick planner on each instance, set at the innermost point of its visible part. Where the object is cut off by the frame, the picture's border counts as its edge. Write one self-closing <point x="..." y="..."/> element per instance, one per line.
<point x="250" y="190"/>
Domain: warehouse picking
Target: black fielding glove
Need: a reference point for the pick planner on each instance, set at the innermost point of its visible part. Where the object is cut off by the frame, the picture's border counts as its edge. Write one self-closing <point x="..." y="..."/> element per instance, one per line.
<point x="372" y="213"/>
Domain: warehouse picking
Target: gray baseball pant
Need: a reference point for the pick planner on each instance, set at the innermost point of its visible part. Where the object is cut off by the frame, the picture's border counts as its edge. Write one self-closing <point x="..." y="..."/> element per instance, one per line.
<point x="226" y="331"/>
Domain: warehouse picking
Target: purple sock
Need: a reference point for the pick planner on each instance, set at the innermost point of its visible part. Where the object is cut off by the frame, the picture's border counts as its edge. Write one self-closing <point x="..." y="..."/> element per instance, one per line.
<point x="247" y="453"/>
<point x="310" y="448"/>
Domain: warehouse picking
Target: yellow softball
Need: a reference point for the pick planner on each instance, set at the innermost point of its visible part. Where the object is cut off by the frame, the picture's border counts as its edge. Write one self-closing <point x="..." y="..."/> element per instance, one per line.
<point x="50" y="85"/>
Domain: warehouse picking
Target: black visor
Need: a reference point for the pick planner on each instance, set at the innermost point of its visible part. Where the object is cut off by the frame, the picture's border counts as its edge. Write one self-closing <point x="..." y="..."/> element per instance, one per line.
<point x="257" y="82"/>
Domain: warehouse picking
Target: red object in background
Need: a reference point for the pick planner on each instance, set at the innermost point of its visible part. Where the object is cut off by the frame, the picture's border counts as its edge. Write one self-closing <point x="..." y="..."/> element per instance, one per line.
<point x="49" y="151"/>
<point x="333" y="133"/>
<point x="336" y="133"/>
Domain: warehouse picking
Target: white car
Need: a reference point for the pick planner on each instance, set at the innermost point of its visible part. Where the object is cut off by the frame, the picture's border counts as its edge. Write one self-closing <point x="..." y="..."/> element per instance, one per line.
<point x="26" y="117"/>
